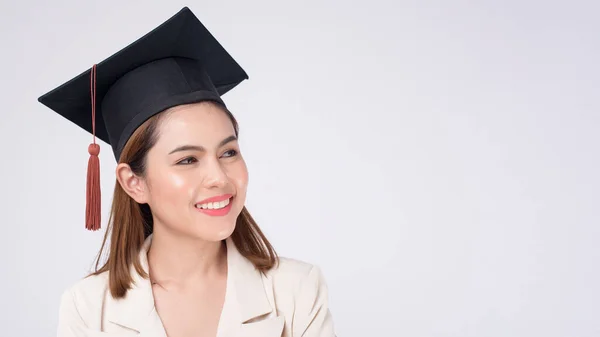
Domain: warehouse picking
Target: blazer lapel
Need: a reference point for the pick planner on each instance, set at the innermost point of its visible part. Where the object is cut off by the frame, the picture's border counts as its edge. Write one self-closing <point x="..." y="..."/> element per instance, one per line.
<point x="248" y="309"/>
<point x="249" y="300"/>
<point x="270" y="327"/>
<point x="137" y="312"/>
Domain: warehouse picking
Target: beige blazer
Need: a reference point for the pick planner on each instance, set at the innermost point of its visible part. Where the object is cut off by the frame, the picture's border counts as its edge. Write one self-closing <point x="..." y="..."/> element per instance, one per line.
<point x="291" y="300"/>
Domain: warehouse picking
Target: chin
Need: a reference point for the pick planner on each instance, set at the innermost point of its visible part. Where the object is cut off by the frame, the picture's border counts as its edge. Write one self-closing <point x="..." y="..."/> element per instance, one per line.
<point x="214" y="233"/>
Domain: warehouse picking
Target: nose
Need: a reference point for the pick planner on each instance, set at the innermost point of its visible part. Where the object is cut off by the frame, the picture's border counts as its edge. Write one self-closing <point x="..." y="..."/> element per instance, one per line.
<point x="215" y="175"/>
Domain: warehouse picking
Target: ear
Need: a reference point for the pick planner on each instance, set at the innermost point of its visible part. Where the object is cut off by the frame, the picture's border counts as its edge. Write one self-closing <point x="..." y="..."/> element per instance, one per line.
<point x="133" y="185"/>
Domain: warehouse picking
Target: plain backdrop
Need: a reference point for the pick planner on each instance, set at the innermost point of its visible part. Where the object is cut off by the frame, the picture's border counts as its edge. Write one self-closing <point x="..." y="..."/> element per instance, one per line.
<point x="437" y="159"/>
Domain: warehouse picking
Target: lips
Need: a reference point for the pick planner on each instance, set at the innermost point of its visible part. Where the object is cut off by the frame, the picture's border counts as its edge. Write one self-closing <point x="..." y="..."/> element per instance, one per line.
<point x="216" y="206"/>
<point x="217" y="198"/>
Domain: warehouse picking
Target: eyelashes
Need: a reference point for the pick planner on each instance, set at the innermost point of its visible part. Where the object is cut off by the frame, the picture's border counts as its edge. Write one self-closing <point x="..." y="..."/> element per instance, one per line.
<point x="232" y="153"/>
<point x="187" y="161"/>
<point x="191" y="159"/>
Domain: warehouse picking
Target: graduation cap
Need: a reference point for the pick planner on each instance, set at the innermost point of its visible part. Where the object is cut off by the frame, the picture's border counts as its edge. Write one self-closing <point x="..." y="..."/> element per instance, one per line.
<point x="178" y="62"/>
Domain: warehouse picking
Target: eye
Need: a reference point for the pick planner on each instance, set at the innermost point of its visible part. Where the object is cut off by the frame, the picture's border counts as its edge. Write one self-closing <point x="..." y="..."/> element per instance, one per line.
<point x="187" y="161"/>
<point x="230" y="153"/>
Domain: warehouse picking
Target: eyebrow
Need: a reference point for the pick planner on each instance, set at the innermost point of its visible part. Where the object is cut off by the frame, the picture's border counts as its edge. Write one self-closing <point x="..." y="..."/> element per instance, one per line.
<point x="200" y="148"/>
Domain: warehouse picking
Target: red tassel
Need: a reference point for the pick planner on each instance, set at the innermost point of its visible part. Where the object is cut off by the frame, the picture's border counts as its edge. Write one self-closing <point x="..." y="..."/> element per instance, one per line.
<point x="93" y="208"/>
<point x="93" y="204"/>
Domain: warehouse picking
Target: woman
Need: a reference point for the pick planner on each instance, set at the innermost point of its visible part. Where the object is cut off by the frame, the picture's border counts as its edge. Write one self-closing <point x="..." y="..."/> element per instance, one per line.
<point x="185" y="258"/>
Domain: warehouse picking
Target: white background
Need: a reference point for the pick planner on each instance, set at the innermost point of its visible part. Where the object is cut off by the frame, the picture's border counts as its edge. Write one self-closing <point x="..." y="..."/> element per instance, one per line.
<point x="438" y="159"/>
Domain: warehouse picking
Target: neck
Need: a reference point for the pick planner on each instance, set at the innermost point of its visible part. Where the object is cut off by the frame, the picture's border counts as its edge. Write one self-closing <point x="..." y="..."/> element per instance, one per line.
<point x="178" y="260"/>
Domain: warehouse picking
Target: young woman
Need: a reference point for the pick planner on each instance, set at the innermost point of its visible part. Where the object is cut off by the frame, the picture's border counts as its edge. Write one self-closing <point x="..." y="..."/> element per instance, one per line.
<point x="185" y="258"/>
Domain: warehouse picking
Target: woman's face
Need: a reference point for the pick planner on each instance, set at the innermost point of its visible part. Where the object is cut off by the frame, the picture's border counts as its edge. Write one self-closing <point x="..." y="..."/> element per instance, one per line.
<point x="196" y="178"/>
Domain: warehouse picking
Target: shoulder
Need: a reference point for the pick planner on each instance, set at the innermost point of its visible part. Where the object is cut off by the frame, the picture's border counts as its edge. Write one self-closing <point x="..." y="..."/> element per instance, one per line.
<point x="291" y="272"/>
<point x="88" y="289"/>
<point x="81" y="302"/>
<point x="301" y="293"/>
<point x="298" y="276"/>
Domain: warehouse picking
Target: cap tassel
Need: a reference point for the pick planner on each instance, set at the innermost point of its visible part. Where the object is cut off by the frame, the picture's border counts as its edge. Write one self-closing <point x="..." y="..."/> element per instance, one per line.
<point x="93" y="205"/>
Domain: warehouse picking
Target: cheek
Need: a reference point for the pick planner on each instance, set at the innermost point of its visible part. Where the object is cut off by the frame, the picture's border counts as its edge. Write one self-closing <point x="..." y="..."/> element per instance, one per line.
<point x="171" y="187"/>
<point x="238" y="174"/>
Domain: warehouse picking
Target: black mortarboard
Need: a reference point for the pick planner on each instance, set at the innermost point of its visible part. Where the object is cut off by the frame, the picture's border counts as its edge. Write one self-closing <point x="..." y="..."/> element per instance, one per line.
<point x="178" y="62"/>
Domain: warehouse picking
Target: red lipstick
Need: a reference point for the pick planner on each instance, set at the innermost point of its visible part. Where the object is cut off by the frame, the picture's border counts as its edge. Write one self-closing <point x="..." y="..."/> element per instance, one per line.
<point x="216" y="212"/>
<point x="215" y="199"/>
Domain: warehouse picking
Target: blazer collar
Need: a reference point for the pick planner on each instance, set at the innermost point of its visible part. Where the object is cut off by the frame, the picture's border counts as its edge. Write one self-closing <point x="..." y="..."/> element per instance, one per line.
<point x="246" y="297"/>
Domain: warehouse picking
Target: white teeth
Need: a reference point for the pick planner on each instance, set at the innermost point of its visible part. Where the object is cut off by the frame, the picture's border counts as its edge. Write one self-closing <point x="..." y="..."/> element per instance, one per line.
<point x="214" y="205"/>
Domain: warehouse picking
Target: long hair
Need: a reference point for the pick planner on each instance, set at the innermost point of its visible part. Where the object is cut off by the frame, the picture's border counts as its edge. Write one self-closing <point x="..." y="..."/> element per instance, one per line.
<point x="130" y="223"/>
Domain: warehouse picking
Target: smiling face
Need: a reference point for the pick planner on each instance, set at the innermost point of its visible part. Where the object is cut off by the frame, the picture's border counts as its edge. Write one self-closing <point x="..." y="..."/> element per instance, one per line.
<point x="196" y="179"/>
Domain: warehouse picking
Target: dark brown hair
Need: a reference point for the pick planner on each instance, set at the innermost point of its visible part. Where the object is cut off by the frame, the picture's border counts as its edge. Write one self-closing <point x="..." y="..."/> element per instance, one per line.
<point x="131" y="223"/>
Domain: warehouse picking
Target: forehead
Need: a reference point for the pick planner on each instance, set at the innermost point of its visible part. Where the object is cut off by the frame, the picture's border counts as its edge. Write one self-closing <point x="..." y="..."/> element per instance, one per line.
<point x="201" y="123"/>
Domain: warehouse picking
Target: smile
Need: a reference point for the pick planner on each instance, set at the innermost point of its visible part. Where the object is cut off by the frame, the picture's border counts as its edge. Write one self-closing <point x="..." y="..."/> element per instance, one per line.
<point x="214" y="205"/>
